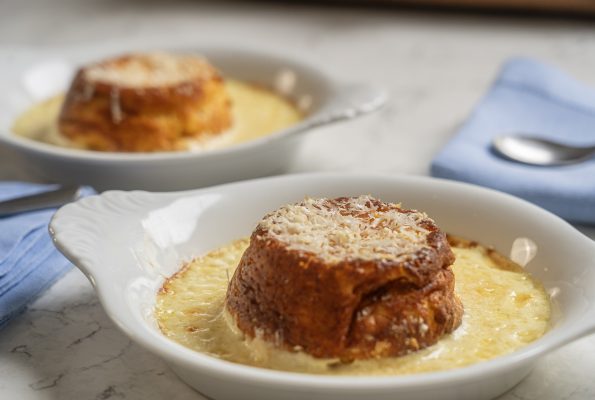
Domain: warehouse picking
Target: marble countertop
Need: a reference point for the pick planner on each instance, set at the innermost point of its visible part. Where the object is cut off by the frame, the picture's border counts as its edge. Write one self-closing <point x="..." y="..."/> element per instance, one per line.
<point x="435" y="66"/>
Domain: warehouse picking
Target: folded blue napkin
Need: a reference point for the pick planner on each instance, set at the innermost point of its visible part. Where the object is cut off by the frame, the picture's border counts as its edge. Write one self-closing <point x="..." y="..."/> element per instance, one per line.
<point x="29" y="262"/>
<point x="535" y="98"/>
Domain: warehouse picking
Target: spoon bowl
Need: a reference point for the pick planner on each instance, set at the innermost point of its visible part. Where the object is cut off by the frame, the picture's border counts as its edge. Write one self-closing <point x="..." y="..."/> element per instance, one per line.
<point x="537" y="151"/>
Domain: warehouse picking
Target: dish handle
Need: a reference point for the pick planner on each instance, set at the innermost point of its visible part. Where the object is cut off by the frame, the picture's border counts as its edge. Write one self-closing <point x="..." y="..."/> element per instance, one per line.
<point x="349" y="101"/>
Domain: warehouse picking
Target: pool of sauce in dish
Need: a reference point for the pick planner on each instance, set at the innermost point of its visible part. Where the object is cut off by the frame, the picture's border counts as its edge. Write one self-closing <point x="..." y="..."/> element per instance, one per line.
<point x="505" y="309"/>
<point x="257" y="112"/>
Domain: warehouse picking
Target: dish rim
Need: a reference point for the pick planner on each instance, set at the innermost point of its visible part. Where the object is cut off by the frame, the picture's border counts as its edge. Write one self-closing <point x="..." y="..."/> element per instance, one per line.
<point x="180" y="355"/>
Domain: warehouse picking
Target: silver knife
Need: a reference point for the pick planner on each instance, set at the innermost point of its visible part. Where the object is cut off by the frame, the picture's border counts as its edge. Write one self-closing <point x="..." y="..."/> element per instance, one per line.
<point x="39" y="201"/>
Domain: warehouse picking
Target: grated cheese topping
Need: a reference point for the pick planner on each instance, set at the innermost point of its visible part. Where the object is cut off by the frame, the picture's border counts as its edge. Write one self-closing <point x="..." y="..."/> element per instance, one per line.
<point x="150" y="70"/>
<point x="348" y="228"/>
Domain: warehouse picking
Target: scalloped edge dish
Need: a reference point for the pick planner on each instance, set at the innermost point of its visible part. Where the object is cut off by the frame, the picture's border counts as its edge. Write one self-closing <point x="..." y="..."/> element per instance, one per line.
<point x="330" y="100"/>
<point x="127" y="243"/>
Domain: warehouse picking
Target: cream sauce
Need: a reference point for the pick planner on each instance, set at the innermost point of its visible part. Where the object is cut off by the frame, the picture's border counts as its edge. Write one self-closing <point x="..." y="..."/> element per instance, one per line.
<point x="257" y="112"/>
<point x="504" y="310"/>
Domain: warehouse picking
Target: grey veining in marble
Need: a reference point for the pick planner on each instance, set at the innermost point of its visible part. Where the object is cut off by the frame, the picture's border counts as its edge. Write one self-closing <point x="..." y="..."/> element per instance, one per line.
<point x="436" y="67"/>
<point x="65" y="347"/>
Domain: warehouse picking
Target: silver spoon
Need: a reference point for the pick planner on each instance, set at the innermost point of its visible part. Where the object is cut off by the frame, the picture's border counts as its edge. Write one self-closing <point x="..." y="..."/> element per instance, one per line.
<point x="51" y="199"/>
<point x="535" y="151"/>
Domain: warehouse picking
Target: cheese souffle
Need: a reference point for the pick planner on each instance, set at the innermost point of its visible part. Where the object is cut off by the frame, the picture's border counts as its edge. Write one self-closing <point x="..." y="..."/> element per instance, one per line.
<point x="352" y="286"/>
<point x="346" y="278"/>
<point x="147" y="102"/>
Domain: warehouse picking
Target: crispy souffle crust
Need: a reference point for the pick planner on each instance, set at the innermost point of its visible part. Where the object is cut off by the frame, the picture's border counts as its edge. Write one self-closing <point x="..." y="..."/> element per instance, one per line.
<point x="305" y="284"/>
<point x="144" y="103"/>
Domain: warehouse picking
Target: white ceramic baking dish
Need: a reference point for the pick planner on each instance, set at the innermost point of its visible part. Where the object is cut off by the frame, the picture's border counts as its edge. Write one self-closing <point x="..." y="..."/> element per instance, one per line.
<point x="27" y="80"/>
<point x="128" y="242"/>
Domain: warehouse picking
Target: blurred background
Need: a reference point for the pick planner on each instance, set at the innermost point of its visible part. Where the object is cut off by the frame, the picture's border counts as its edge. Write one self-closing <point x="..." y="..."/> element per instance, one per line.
<point x="436" y="58"/>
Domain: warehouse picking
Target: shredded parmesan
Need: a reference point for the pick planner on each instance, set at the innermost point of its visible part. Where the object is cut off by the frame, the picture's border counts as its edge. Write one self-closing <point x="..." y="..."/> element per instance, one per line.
<point x="348" y="229"/>
<point x="151" y="70"/>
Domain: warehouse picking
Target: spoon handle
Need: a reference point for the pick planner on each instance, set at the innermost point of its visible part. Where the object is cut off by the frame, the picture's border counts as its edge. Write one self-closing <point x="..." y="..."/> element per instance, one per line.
<point x="51" y="199"/>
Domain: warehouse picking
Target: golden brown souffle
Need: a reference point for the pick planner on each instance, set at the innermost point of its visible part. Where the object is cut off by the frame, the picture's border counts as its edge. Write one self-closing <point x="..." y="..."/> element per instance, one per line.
<point x="145" y="103"/>
<point x="348" y="278"/>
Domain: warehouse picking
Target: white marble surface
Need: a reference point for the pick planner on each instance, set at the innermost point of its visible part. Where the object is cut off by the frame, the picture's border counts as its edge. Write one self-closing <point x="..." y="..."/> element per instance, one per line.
<point x="436" y="66"/>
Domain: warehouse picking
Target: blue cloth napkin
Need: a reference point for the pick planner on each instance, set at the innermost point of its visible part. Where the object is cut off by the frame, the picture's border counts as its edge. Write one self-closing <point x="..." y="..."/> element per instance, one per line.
<point x="528" y="96"/>
<point x="29" y="262"/>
